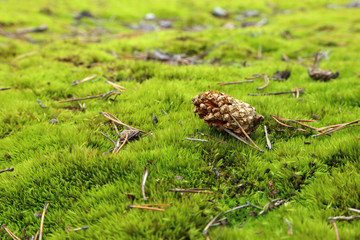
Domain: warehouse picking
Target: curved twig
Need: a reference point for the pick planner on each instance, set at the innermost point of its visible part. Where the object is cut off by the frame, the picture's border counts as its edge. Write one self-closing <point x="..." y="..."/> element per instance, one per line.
<point x="266" y="82"/>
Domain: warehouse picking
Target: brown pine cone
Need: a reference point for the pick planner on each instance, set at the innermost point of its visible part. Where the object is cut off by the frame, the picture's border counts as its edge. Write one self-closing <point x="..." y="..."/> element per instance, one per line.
<point x="321" y="74"/>
<point x="215" y="108"/>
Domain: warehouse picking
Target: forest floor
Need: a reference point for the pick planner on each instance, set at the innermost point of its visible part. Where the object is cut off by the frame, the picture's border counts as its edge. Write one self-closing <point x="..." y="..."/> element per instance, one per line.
<point x="57" y="148"/>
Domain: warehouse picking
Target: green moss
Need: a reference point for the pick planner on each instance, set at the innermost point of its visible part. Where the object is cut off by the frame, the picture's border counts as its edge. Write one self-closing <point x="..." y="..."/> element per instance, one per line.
<point x="64" y="164"/>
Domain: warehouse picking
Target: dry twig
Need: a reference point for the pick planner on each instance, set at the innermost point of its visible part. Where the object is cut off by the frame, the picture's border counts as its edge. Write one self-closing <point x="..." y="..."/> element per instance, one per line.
<point x="238" y="137"/>
<point x="206" y="229"/>
<point x="238" y="207"/>
<point x="10" y="169"/>
<point x="267" y="138"/>
<point x="148" y="207"/>
<point x="290" y="231"/>
<point x="5" y="88"/>
<point x="197" y="140"/>
<point x="230" y="83"/>
<point x="77" y="229"/>
<point x="216" y="139"/>
<point x="145" y="174"/>
<point x="336" y="230"/>
<point x="24" y="56"/>
<point x="42" y="221"/>
<point x="115" y="120"/>
<point x="273" y="203"/>
<point x="84" y="80"/>
<point x="12" y="235"/>
<point x="116" y="86"/>
<point x="192" y="190"/>
<point x="243" y="131"/>
<point x="301" y="90"/>
<point x="343" y="218"/>
<point x="354" y="210"/>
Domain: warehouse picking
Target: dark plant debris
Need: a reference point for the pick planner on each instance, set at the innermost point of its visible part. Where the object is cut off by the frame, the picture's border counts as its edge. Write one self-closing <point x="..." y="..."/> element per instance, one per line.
<point x="321" y="74"/>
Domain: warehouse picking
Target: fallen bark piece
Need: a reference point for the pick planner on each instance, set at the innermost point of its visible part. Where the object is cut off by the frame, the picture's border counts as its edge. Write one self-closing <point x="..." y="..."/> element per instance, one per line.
<point x="281" y="75"/>
<point x="321" y="74"/>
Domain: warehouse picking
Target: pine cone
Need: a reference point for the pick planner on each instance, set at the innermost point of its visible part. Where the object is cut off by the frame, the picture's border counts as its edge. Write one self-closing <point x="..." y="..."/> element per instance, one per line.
<point x="321" y="74"/>
<point x="215" y="109"/>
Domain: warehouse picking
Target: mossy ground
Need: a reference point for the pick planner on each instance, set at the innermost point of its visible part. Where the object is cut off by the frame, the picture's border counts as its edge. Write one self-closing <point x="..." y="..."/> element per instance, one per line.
<point x="63" y="164"/>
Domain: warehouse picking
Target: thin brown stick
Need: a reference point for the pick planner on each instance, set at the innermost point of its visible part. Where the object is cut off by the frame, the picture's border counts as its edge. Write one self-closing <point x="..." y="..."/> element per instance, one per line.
<point x="238" y="138"/>
<point x="343" y="218"/>
<point x="266" y="79"/>
<point x="206" y="229"/>
<point x="80" y="99"/>
<point x="252" y="205"/>
<point x="238" y="207"/>
<point x="334" y="128"/>
<point x="230" y="83"/>
<point x="285" y="125"/>
<point x="116" y="86"/>
<point x="336" y="230"/>
<point x="5" y="88"/>
<point x="109" y="116"/>
<point x="267" y="138"/>
<point x="285" y="57"/>
<point x="243" y="131"/>
<point x="297" y="121"/>
<point x="305" y="120"/>
<point x="84" y="80"/>
<point x="11" y="234"/>
<point x="290" y="231"/>
<point x="297" y="92"/>
<point x="157" y="205"/>
<point x="147" y="208"/>
<point x="216" y="139"/>
<point x="42" y="221"/>
<point x="190" y="191"/>
<point x="24" y="56"/>
<point x="145" y="174"/>
<point x="259" y="55"/>
<point x="275" y="93"/>
<point x="78" y="229"/>
<point x="108" y="138"/>
<point x="36" y="235"/>
<point x="116" y="146"/>
<point x="273" y="203"/>
<point x="198" y="188"/>
<point x="123" y="144"/>
<point x="196" y="140"/>
<point x="116" y="129"/>
<point x="354" y="210"/>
